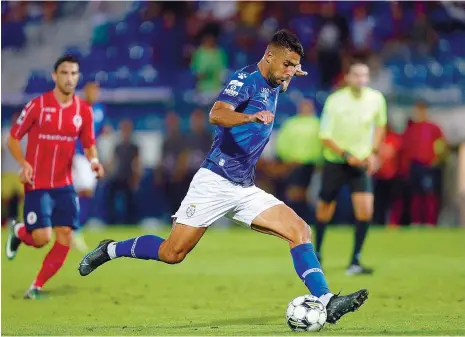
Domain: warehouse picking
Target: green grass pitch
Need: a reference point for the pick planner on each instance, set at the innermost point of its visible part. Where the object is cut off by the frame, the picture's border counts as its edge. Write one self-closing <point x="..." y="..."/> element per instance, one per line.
<point x="238" y="282"/>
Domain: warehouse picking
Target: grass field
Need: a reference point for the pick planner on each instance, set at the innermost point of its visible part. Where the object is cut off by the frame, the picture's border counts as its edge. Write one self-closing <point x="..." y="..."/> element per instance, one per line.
<point x="239" y="282"/>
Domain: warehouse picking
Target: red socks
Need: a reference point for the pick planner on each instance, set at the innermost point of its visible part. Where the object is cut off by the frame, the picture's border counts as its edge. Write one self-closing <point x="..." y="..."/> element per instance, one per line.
<point x="396" y="212"/>
<point x="432" y="209"/>
<point x="52" y="263"/>
<point x="425" y="209"/>
<point x="24" y="235"/>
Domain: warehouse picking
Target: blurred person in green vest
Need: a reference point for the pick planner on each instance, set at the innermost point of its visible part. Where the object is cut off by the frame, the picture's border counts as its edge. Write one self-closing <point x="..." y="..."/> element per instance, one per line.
<point x="209" y="63"/>
<point x="299" y="146"/>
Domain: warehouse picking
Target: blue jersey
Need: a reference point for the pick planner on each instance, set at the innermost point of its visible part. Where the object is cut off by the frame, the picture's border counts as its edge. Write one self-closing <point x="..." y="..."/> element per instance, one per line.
<point x="99" y="118"/>
<point x="235" y="151"/>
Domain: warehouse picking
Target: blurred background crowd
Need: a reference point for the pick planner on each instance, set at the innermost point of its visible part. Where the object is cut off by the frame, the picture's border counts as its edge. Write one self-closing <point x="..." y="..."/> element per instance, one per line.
<point x="160" y="65"/>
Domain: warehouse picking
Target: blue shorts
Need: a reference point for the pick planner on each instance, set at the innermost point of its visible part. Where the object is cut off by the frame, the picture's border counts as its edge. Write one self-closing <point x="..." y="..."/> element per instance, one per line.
<point x="51" y="207"/>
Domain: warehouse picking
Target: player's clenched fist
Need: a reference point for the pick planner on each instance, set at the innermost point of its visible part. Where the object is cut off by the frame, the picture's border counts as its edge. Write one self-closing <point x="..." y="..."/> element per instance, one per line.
<point x="264" y="117"/>
<point x="355" y="162"/>
<point x="373" y="164"/>
<point x="25" y="174"/>
<point x="98" y="169"/>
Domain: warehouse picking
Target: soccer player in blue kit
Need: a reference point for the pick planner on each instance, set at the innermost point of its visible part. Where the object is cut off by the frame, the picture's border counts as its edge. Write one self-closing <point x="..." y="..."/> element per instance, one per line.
<point x="224" y="186"/>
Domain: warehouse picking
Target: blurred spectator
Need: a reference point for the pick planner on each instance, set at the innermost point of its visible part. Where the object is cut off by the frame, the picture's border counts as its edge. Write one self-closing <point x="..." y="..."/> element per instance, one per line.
<point x="100" y="22"/>
<point x="126" y="175"/>
<point x="387" y="187"/>
<point x="172" y="172"/>
<point x="332" y="37"/>
<point x="299" y="146"/>
<point x="380" y="77"/>
<point x="362" y="29"/>
<point x="209" y="63"/>
<point x="423" y="36"/>
<point x="199" y="142"/>
<point x="426" y="149"/>
<point x="250" y="13"/>
<point x="152" y="11"/>
<point x="217" y="10"/>
<point x="12" y="188"/>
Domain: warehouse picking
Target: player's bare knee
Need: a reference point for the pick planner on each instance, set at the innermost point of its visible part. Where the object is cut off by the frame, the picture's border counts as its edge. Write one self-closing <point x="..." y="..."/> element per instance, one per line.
<point x="301" y="232"/>
<point x="364" y="216"/>
<point x="64" y="235"/>
<point x="324" y="212"/>
<point x="296" y="194"/>
<point x="41" y="238"/>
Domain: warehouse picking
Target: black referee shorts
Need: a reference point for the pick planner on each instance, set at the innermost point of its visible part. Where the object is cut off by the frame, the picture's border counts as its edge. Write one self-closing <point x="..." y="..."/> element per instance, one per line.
<point x="300" y="176"/>
<point x="336" y="175"/>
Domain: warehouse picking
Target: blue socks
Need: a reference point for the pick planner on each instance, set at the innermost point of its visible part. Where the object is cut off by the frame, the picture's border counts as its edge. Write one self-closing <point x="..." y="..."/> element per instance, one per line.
<point x="309" y="270"/>
<point x="143" y="247"/>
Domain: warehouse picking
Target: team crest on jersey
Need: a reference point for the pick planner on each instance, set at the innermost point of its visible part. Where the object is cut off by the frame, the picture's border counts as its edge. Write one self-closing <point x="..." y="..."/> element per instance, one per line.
<point x="31" y="218"/>
<point x="190" y="211"/>
<point x="233" y="88"/>
<point x="77" y="121"/>
<point x="242" y="75"/>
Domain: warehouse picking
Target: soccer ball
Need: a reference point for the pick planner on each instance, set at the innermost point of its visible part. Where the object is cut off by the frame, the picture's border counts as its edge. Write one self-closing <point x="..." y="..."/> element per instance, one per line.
<point x="306" y="313"/>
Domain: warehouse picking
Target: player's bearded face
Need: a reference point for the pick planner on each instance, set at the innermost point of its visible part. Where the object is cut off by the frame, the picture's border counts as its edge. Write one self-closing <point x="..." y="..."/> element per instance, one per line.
<point x="282" y="66"/>
<point x="66" y="77"/>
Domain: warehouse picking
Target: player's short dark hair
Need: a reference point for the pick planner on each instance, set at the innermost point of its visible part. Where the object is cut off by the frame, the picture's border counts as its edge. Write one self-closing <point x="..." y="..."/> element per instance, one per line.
<point x="65" y="58"/>
<point x="356" y="60"/>
<point x="285" y="39"/>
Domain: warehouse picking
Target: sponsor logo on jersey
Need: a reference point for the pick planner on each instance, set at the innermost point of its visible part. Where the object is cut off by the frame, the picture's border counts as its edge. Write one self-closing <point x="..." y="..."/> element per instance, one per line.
<point x="264" y="94"/>
<point x="59" y="138"/>
<point x="233" y="87"/>
<point x="49" y="109"/>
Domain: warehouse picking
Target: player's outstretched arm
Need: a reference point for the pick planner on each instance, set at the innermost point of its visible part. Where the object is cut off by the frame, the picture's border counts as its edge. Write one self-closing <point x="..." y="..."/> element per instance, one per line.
<point x="223" y="114"/>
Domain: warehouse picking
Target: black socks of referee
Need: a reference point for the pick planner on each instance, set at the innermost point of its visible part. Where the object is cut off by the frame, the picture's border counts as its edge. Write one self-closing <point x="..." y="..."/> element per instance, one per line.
<point x="361" y="230"/>
<point x="320" y="229"/>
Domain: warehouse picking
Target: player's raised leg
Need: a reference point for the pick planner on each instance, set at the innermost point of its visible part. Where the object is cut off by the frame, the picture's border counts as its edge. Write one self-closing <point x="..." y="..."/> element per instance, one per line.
<point x="174" y="249"/>
<point x="283" y="222"/>
<point x="198" y="210"/>
<point x="36" y="231"/>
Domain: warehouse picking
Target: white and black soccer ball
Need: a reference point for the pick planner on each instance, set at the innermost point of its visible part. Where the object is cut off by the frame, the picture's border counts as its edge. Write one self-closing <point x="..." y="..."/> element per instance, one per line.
<point x="306" y="313"/>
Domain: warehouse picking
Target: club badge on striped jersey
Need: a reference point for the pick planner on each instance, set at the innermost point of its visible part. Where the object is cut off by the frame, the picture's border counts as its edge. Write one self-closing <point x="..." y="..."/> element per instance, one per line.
<point x="77" y="121"/>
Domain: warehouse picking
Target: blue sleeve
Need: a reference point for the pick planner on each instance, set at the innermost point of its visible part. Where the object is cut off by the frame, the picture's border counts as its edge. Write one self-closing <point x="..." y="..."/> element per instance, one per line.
<point x="238" y="90"/>
<point x="99" y="118"/>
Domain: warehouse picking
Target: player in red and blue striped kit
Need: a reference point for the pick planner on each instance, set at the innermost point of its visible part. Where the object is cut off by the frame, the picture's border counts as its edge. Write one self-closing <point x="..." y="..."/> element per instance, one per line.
<point x="53" y="122"/>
